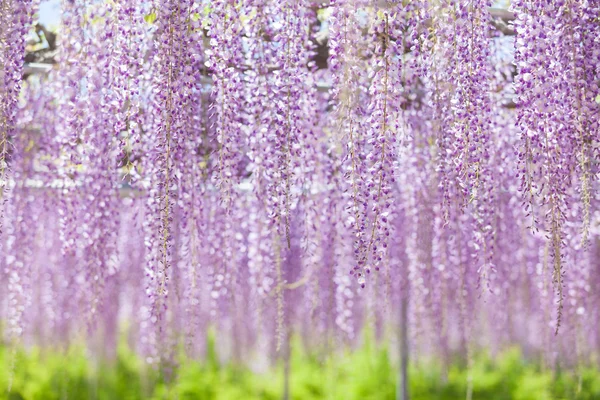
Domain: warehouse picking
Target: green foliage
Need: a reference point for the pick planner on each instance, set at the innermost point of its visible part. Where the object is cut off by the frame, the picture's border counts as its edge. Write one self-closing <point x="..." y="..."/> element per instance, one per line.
<point x="365" y="374"/>
<point x="150" y="18"/>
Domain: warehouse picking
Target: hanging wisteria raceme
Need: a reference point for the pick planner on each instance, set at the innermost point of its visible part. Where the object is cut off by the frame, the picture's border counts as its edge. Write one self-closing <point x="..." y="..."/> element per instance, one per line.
<point x="266" y="169"/>
<point x="258" y="102"/>
<point x="66" y="152"/>
<point x="381" y="143"/>
<point x="17" y="19"/>
<point x="20" y="223"/>
<point x="224" y="59"/>
<point x="174" y="88"/>
<point x="16" y="16"/>
<point x="558" y="117"/>
<point x="126" y="43"/>
<point x="344" y="44"/>
<point x="192" y="203"/>
<point x="97" y="181"/>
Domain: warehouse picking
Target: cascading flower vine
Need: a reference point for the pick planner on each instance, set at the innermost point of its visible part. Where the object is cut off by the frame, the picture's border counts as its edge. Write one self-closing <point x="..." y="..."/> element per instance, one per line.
<point x="173" y="89"/>
<point x="16" y="16"/>
<point x="126" y="65"/>
<point x="383" y="141"/>
<point x="17" y="21"/>
<point x="554" y="118"/>
<point x="190" y="166"/>
<point x="345" y="42"/>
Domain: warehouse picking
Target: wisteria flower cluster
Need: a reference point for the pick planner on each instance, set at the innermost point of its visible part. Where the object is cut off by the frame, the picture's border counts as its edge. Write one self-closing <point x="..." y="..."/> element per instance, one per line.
<point x="276" y="168"/>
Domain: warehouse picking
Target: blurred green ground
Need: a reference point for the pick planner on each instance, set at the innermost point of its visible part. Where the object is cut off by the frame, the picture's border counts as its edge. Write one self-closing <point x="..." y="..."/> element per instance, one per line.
<point x="365" y="374"/>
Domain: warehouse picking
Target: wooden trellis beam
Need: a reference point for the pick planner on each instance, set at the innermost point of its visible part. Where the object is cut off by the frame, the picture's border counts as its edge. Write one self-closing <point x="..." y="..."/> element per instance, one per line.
<point x="500" y="18"/>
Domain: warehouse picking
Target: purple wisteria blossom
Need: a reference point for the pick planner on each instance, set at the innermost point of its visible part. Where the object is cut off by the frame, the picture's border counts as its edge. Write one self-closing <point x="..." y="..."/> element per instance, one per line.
<point x="274" y="169"/>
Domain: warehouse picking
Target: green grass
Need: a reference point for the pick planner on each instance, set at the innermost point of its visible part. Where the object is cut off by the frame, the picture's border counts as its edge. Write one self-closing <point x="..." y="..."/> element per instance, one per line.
<point x="366" y="374"/>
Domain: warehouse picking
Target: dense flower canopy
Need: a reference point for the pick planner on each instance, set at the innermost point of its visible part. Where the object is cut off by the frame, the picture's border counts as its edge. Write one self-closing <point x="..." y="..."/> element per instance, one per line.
<point x="277" y="167"/>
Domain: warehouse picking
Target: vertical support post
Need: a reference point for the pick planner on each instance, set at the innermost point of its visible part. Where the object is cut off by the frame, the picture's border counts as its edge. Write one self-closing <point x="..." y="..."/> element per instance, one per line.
<point x="402" y="392"/>
<point x="286" y="366"/>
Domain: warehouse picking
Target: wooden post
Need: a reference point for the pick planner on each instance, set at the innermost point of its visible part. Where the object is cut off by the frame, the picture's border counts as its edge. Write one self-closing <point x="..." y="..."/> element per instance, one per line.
<point x="286" y="366"/>
<point x="402" y="391"/>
